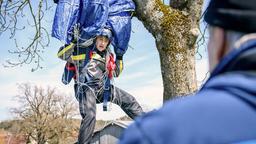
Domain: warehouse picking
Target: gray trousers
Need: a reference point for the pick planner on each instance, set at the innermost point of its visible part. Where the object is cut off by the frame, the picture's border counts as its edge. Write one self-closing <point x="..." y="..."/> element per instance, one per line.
<point x="87" y="106"/>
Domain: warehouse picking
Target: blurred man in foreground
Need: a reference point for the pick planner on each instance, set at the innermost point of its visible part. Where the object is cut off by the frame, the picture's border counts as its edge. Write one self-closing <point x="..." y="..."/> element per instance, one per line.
<point x="224" y="110"/>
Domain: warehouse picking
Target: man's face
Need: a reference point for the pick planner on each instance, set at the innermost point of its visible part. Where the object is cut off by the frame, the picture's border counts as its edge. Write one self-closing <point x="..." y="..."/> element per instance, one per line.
<point x="101" y="43"/>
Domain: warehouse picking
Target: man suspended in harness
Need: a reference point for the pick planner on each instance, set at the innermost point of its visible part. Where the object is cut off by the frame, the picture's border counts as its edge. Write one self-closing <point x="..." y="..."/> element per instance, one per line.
<point x="93" y="69"/>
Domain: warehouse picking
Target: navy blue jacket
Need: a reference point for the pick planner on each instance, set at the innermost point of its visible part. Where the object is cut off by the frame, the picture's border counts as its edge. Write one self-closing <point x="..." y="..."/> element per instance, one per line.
<point x="223" y="111"/>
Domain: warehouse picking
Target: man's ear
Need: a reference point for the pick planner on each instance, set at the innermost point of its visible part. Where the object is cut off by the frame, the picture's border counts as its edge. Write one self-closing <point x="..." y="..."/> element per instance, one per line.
<point x="216" y="46"/>
<point x="221" y="46"/>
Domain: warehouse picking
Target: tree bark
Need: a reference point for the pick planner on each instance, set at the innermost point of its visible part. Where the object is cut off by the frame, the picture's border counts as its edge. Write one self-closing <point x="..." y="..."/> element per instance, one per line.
<point x="175" y="30"/>
<point x="178" y="4"/>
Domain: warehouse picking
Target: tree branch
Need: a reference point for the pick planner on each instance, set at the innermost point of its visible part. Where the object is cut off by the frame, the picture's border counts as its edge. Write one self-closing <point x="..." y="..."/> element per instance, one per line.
<point x="12" y="13"/>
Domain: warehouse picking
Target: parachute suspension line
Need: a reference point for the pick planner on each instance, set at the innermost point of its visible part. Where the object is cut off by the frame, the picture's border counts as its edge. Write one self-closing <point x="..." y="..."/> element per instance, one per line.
<point x="118" y="101"/>
<point x="77" y="37"/>
<point x="112" y="99"/>
<point x="89" y="84"/>
<point x="89" y="88"/>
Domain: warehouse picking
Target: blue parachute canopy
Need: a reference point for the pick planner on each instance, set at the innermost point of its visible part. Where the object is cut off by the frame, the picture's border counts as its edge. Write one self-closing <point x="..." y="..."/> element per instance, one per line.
<point x="92" y="16"/>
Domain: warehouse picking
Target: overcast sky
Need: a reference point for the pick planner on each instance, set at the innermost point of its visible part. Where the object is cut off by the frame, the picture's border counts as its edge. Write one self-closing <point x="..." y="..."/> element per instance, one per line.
<point x="141" y="75"/>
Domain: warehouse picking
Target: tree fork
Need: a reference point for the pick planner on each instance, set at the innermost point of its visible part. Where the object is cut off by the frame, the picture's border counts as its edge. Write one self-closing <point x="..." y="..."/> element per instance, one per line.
<point x="175" y="32"/>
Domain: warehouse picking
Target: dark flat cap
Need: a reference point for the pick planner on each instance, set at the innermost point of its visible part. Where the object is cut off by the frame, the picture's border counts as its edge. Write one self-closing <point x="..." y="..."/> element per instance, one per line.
<point x="237" y="15"/>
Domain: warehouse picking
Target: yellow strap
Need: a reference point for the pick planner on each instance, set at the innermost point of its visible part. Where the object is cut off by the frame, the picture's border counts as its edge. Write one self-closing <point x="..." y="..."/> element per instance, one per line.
<point x="65" y="50"/>
<point x="78" y="57"/>
<point x="121" y="65"/>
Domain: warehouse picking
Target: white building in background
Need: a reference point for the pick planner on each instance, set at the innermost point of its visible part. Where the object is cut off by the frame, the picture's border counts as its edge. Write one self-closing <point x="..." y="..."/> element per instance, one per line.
<point x="110" y="133"/>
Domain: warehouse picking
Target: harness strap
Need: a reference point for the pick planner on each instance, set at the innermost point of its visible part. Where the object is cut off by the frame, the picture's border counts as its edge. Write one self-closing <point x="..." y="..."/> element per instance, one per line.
<point x="106" y="94"/>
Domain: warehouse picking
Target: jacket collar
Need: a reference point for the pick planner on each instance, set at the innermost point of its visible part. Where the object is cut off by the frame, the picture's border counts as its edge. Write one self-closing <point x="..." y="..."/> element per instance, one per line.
<point x="242" y="58"/>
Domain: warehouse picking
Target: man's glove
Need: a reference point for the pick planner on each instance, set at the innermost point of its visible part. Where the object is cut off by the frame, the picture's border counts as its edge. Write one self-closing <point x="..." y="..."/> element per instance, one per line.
<point x="119" y="67"/>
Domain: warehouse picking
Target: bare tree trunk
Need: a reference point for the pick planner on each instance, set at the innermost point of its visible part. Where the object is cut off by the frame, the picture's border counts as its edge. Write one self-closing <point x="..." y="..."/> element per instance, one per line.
<point x="175" y="30"/>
